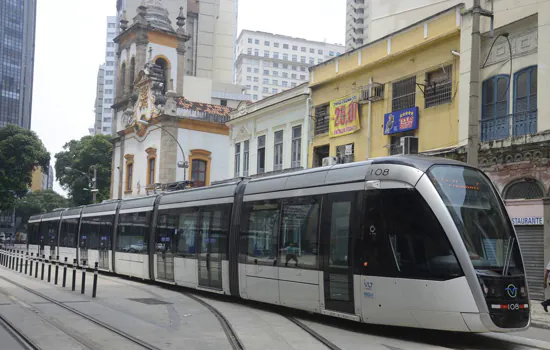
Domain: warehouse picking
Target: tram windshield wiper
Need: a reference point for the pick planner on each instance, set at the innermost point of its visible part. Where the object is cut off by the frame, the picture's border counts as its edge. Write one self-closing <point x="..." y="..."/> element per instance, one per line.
<point x="508" y="255"/>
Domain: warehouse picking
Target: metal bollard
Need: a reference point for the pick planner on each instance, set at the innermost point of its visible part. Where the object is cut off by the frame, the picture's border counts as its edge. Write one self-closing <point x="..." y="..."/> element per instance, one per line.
<point x="9" y="266"/>
<point x="42" y="273"/>
<point x="83" y="287"/>
<point x="32" y="261"/>
<point x="94" y="290"/>
<point x="64" y="271"/>
<point x="49" y="268"/>
<point x="56" y="263"/>
<point x="74" y="274"/>
<point x="22" y="260"/>
<point x="36" y="266"/>
<point x="16" y="260"/>
<point x="26" y="262"/>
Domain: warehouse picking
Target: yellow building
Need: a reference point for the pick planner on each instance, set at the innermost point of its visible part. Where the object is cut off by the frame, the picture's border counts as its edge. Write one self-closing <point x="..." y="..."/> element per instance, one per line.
<point x="405" y="84"/>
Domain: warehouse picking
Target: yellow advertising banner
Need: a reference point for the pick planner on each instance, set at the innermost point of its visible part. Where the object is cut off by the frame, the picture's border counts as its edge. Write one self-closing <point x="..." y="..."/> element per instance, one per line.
<point x="344" y="116"/>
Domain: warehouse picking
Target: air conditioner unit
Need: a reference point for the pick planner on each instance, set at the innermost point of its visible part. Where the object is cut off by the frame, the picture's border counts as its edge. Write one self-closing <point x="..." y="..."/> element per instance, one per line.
<point x="409" y="145"/>
<point x="330" y="161"/>
<point x="372" y="92"/>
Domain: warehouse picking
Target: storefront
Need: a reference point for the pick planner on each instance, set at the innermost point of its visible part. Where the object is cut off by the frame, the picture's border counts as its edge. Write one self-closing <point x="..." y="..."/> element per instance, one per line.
<point x="528" y="219"/>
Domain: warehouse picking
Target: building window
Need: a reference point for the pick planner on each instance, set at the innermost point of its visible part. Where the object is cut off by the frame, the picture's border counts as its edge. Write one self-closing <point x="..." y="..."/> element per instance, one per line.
<point x="129" y="172"/>
<point x="250" y="40"/>
<point x="255" y="97"/>
<point x="302" y="69"/>
<point x="246" y="157"/>
<point x="249" y="69"/>
<point x="248" y="86"/>
<point x="256" y="52"/>
<point x="293" y="76"/>
<point x="261" y="154"/>
<point x="266" y="81"/>
<point x="257" y="41"/>
<point x="294" y="67"/>
<point x="296" y="146"/>
<point x="237" y="159"/>
<point x="302" y="77"/>
<point x="311" y="60"/>
<point x="278" y="151"/>
<point x="266" y="53"/>
<point x="439" y="87"/>
<point x="345" y="153"/>
<point x="255" y="88"/>
<point x="285" y="66"/>
<point x="322" y="116"/>
<point x="524" y="189"/>
<point x="255" y="79"/>
<point x="274" y="91"/>
<point x="200" y="161"/>
<point x="285" y="75"/>
<point x="266" y="71"/>
<point x="285" y="57"/>
<point x="285" y="83"/>
<point x="275" y="73"/>
<point x="108" y="82"/>
<point x="494" y="112"/>
<point x="276" y="55"/>
<point x="110" y="54"/>
<point x="265" y="89"/>
<point x="294" y="58"/>
<point x="275" y="44"/>
<point x="525" y="102"/>
<point x="223" y="102"/>
<point x="110" y="44"/>
<point x="311" y="50"/>
<point x="110" y="63"/>
<point x="249" y="78"/>
<point x="249" y="51"/>
<point x="109" y="73"/>
<point x="275" y="65"/>
<point x="320" y="52"/>
<point x="292" y="84"/>
<point x="151" y="163"/>
<point x="111" y="25"/>
<point x="275" y="82"/>
<point x="303" y="59"/>
<point x="294" y="48"/>
<point x="108" y="100"/>
<point x="266" y="43"/>
<point x="198" y="173"/>
<point x="404" y="94"/>
<point x="285" y="46"/>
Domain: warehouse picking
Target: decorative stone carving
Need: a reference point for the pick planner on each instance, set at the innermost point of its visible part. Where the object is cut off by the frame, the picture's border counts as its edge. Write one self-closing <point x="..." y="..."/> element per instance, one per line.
<point x="523" y="43"/>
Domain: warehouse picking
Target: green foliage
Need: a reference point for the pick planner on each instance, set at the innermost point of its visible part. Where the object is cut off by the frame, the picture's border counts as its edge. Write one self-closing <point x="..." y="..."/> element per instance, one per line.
<point x="39" y="202"/>
<point x="82" y="155"/>
<point x="21" y="151"/>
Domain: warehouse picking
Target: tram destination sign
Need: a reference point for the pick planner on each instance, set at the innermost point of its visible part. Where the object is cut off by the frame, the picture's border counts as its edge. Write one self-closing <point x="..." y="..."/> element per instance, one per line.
<point x="527" y="221"/>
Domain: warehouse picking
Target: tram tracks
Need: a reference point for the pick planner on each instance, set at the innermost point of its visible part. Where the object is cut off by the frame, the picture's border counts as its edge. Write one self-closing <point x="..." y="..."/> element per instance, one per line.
<point x="19" y="336"/>
<point x="73" y="334"/>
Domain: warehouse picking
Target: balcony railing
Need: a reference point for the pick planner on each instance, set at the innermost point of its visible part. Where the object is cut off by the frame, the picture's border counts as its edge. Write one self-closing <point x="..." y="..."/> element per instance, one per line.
<point x="520" y="123"/>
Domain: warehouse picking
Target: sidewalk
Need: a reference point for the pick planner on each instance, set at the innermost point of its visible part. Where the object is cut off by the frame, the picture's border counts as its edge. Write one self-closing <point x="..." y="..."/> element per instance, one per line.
<point x="539" y="318"/>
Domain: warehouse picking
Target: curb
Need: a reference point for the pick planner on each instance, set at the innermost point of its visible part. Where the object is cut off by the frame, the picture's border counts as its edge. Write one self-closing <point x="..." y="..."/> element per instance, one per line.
<point x="543" y="325"/>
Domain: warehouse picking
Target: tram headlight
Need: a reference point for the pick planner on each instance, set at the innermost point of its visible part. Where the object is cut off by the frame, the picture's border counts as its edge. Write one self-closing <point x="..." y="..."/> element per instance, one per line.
<point x="522" y="291"/>
<point x="484" y="288"/>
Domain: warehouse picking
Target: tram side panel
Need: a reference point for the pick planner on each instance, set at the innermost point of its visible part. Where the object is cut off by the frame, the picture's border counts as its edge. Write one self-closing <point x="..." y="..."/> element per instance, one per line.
<point x="68" y="238"/>
<point x="131" y="247"/>
<point x="95" y="240"/>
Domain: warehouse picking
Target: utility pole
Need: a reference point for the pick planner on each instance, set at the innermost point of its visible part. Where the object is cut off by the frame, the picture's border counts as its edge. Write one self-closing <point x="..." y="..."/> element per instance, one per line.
<point x="94" y="185"/>
<point x="474" y="103"/>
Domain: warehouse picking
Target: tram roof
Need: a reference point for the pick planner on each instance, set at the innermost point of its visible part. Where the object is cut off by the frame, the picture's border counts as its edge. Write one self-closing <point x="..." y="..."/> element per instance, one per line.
<point x="72" y="211"/>
<point x="199" y="194"/>
<point x="339" y="174"/>
<point x="140" y="202"/>
<point x="54" y="214"/>
<point x="36" y="217"/>
<point x="100" y="208"/>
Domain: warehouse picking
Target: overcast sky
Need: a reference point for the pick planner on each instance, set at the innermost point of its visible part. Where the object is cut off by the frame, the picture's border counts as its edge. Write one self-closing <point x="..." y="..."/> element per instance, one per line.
<point x="70" y="46"/>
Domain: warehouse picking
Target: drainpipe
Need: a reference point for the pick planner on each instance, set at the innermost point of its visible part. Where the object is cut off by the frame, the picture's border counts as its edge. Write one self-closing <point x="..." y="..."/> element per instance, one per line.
<point x="369" y="118"/>
<point x="307" y="125"/>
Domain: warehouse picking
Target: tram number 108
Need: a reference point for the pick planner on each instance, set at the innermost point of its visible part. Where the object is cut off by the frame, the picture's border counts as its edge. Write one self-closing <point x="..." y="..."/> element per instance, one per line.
<point x="513" y="307"/>
<point x="378" y="172"/>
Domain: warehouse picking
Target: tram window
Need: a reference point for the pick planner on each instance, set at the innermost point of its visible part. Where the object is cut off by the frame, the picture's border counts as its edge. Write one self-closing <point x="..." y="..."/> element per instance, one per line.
<point x="417" y="243"/>
<point x="167" y="225"/>
<point x="299" y="241"/>
<point x="69" y="233"/>
<point x="96" y="228"/>
<point x="34" y="233"/>
<point x="48" y="232"/>
<point x="133" y="232"/>
<point x="259" y="232"/>
<point x="214" y="230"/>
<point x="340" y="232"/>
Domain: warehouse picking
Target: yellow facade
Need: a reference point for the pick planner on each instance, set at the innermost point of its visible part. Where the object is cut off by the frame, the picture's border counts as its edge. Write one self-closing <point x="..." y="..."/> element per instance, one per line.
<point x="415" y="51"/>
<point x="36" y="184"/>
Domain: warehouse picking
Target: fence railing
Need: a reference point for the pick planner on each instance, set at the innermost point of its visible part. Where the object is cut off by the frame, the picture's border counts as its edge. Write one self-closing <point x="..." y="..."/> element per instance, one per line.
<point x="511" y="125"/>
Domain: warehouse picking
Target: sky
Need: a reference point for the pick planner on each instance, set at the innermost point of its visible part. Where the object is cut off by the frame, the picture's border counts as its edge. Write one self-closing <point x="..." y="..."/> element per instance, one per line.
<point x="70" y="46"/>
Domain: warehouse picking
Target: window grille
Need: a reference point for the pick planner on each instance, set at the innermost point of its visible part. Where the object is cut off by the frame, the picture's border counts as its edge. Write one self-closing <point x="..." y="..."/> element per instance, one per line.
<point x="524" y="190"/>
<point x="404" y="94"/>
<point x="321" y="119"/>
<point x="439" y="87"/>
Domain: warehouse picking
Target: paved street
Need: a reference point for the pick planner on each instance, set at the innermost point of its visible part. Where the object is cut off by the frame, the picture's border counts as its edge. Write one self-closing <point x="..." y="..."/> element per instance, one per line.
<point x="168" y="318"/>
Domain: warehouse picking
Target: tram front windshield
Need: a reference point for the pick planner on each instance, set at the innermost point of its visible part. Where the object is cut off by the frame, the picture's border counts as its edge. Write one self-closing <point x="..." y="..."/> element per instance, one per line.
<point x="479" y="216"/>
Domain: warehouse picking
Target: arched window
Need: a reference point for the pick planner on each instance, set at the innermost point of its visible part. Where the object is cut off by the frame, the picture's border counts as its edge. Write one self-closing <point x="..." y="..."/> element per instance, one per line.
<point x="524" y="189"/>
<point x="132" y="72"/>
<point x="525" y="101"/>
<point x="166" y="72"/>
<point x="198" y="172"/>
<point x="122" y="84"/>
<point x="494" y="114"/>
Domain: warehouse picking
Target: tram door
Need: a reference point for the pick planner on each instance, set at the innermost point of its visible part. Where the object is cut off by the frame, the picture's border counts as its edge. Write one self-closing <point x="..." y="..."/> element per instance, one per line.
<point x="210" y="248"/>
<point x="83" y="248"/>
<point x="52" y="236"/>
<point x="104" y="246"/>
<point x="338" y="224"/>
<point x="165" y="248"/>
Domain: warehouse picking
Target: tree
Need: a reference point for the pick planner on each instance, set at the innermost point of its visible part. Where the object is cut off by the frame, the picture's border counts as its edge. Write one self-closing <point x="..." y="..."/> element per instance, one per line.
<point x="21" y="152"/>
<point x="38" y="202"/>
<point x="80" y="156"/>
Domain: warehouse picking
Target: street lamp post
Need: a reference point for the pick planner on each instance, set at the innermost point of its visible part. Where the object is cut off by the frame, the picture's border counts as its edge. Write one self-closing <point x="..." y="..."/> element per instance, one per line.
<point x="185" y="164"/>
<point x="91" y="181"/>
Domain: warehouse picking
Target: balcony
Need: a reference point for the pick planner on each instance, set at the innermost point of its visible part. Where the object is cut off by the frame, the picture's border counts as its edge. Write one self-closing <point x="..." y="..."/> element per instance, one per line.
<point x="498" y="128"/>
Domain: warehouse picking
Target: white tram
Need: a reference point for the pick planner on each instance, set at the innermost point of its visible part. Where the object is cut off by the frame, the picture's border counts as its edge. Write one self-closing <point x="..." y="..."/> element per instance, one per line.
<point x="405" y="240"/>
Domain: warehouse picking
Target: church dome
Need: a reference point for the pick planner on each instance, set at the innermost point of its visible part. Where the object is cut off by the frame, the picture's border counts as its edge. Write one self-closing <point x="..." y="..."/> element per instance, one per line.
<point x="157" y="15"/>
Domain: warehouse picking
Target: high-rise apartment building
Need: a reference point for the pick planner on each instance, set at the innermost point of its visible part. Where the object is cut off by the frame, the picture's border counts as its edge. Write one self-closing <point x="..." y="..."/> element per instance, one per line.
<point x="105" y="91"/>
<point x="270" y="63"/>
<point x="17" y="32"/>
<point x="357" y="23"/>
